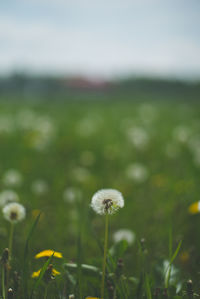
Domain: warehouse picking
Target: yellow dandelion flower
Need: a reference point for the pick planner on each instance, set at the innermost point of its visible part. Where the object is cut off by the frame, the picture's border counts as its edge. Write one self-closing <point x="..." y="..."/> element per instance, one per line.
<point x="194" y="208"/>
<point x="55" y="272"/>
<point x="37" y="273"/>
<point x="48" y="253"/>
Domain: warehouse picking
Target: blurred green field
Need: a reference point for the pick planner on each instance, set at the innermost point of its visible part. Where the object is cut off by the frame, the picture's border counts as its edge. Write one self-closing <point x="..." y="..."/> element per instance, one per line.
<point x="65" y="152"/>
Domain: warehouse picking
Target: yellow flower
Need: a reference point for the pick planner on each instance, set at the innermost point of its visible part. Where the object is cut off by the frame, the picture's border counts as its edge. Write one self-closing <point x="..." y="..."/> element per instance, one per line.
<point x="194" y="208"/>
<point x="37" y="273"/>
<point x="48" y="253"/>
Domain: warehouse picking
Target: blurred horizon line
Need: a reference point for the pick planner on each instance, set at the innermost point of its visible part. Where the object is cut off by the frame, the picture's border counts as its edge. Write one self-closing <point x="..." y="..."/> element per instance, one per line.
<point x="99" y="77"/>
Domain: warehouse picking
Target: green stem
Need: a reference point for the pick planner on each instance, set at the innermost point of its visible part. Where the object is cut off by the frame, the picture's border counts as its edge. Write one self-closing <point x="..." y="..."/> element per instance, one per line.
<point x="104" y="256"/>
<point x="10" y="240"/>
<point x="45" y="292"/>
<point x="3" y="283"/>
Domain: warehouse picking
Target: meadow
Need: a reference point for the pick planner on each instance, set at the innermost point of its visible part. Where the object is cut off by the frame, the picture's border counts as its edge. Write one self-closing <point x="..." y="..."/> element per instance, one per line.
<point x="55" y="156"/>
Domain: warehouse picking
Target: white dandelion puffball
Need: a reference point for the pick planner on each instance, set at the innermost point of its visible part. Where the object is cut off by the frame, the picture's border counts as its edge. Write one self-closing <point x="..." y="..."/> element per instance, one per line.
<point x="12" y="177"/>
<point x="137" y="172"/>
<point x="14" y="212"/>
<point x="124" y="234"/>
<point x="139" y="137"/>
<point x="39" y="187"/>
<point x="7" y="196"/>
<point x="71" y="194"/>
<point x="107" y="201"/>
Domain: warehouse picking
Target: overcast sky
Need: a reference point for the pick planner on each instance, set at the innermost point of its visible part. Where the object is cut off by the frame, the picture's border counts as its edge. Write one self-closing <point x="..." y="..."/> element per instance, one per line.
<point x="101" y="38"/>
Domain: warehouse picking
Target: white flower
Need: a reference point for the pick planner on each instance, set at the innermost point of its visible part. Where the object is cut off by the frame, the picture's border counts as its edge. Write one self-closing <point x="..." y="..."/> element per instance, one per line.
<point x="181" y="133"/>
<point x="6" y="124"/>
<point x="137" y="172"/>
<point x="14" y="212"/>
<point x="81" y="174"/>
<point x="71" y="194"/>
<point x="138" y="136"/>
<point x="12" y="177"/>
<point x="107" y="201"/>
<point x="39" y="187"/>
<point x="124" y="234"/>
<point x="8" y="196"/>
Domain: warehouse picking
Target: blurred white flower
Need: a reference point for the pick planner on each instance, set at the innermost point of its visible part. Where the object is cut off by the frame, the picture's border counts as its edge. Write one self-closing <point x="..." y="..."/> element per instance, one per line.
<point x="137" y="172"/>
<point x="88" y="126"/>
<point x="39" y="187"/>
<point x="43" y="133"/>
<point x="26" y="119"/>
<point x="7" y="196"/>
<point x="81" y="174"/>
<point x="12" y="178"/>
<point x="138" y="136"/>
<point x="14" y="212"/>
<point x="107" y="201"/>
<point x="181" y="133"/>
<point x="6" y="124"/>
<point x="124" y="234"/>
<point x="45" y="126"/>
<point x="71" y="194"/>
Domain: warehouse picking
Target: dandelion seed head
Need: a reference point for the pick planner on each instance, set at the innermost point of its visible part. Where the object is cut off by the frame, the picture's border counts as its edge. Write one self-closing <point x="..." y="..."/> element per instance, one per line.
<point x="39" y="187"/>
<point x="14" y="212"/>
<point x="181" y="133"/>
<point x="71" y="194"/>
<point x="12" y="177"/>
<point x="137" y="172"/>
<point x="107" y="201"/>
<point x="139" y="137"/>
<point x="124" y="234"/>
<point x="8" y="196"/>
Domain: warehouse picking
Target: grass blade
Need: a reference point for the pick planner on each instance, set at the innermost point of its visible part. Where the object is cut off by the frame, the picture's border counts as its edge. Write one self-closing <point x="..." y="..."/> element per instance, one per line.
<point x="26" y="249"/>
<point x="42" y="272"/>
<point x="147" y="287"/>
<point x="30" y="235"/>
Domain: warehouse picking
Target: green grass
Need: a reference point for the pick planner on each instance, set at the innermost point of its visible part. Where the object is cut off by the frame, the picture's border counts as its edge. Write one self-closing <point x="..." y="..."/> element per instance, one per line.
<point x="89" y="149"/>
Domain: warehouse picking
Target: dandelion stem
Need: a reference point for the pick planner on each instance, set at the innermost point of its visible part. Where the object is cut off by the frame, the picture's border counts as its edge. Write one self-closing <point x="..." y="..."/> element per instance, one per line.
<point x="104" y="256"/>
<point x="3" y="283"/>
<point x="11" y="240"/>
<point x="45" y="292"/>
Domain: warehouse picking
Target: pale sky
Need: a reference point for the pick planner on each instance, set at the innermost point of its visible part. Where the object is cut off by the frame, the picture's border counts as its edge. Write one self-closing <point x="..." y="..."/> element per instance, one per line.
<point x="101" y="38"/>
